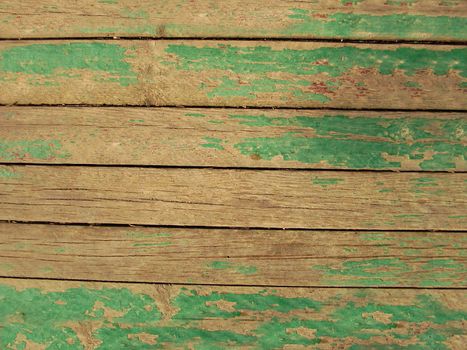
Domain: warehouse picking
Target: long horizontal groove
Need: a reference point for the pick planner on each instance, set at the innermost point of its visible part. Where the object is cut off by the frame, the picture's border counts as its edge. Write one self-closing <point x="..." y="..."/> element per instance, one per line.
<point x="297" y="39"/>
<point x="428" y="110"/>
<point x="242" y="228"/>
<point x="90" y="165"/>
<point x="222" y="285"/>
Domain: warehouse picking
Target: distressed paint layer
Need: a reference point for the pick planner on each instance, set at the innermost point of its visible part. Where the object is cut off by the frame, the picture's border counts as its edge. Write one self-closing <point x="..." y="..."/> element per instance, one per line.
<point x="348" y="25"/>
<point x="116" y="317"/>
<point x="261" y="69"/>
<point x="44" y="63"/>
<point x="31" y="149"/>
<point x="360" y="142"/>
<point x="349" y="19"/>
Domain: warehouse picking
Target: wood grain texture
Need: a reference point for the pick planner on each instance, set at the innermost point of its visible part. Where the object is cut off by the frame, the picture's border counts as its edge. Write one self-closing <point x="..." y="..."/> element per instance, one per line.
<point x="233" y="73"/>
<point x="77" y="315"/>
<point x="234" y="138"/>
<point x="333" y="19"/>
<point x="234" y="198"/>
<point x="235" y="257"/>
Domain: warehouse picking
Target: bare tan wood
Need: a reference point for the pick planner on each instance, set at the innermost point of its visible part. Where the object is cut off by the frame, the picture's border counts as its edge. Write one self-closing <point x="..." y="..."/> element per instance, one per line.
<point x="110" y="315"/>
<point x="240" y="138"/>
<point x="233" y="73"/>
<point x="362" y="19"/>
<point x="246" y="198"/>
<point x="234" y="257"/>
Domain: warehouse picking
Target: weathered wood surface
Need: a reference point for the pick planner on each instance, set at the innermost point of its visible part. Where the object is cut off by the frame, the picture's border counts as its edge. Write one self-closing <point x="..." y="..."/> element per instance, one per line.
<point x="333" y="19"/>
<point x="233" y="73"/>
<point x="240" y="138"/>
<point x="235" y="257"/>
<point x="234" y="198"/>
<point x="77" y="315"/>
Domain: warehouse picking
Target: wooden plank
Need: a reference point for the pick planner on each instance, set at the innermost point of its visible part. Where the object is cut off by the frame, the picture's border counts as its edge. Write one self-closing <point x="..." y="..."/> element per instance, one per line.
<point x="75" y="315"/>
<point x="333" y="19"/>
<point x="233" y="73"/>
<point x="234" y="198"/>
<point x="241" y="138"/>
<point x="235" y="257"/>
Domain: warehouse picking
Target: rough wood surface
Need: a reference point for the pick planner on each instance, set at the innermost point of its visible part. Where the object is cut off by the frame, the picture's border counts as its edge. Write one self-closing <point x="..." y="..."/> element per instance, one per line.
<point x="234" y="257"/>
<point x="334" y="19"/>
<point x="240" y="198"/>
<point x="233" y="73"/>
<point x="77" y="315"/>
<point x="240" y="138"/>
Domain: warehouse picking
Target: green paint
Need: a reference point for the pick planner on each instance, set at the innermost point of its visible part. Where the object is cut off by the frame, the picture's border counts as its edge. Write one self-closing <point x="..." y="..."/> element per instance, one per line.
<point x="412" y="84"/>
<point x="136" y="120"/>
<point x="35" y="149"/>
<point x="7" y="173"/>
<point x="359" y="142"/>
<point x="108" y="1"/>
<point x="60" y="250"/>
<point x="39" y="316"/>
<point x="46" y="318"/>
<point x="226" y="265"/>
<point x="255" y="66"/>
<point x="358" y="25"/>
<point x="386" y="190"/>
<point x="200" y="115"/>
<point x="213" y="142"/>
<point x="49" y="61"/>
<point x="134" y="14"/>
<point x="371" y="272"/>
<point x="408" y="216"/>
<point x="325" y="182"/>
<point x="264" y="59"/>
<point x="195" y="306"/>
<point x="350" y="322"/>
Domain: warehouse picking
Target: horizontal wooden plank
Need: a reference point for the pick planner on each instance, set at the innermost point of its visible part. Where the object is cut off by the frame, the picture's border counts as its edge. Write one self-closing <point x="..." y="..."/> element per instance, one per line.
<point x="75" y="315"/>
<point x="240" y="138"/>
<point x="240" y="198"/>
<point x="235" y="257"/>
<point x="233" y="73"/>
<point x="335" y="19"/>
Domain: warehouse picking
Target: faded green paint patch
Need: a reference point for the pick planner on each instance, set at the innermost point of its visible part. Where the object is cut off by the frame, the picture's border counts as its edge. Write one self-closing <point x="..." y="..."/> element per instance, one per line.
<point x="50" y="61"/>
<point x="35" y="149"/>
<point x="239" y="268"/>
<point x="40" y="316"/>
<point x="108" y="1"/>
<point x="391" y="271"/>
<point x="213" y="142"/>
<point x="8" y="173"/>
<point x="412" y="84"/>
<point x="136" y="120"/>
<point x="196" y="115"/>
<point x="325" y="181"/>
<point x="359" y="142"/>
<point x="358" y="25"/>
<point x="425" y="186"/>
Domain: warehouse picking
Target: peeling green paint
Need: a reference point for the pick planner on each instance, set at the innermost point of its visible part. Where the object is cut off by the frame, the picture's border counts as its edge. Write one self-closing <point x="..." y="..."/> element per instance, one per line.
<point x="8" y="173"/>
<point x="213" y="142"/>
<point x="49" y="318"/>
<point x="325" y="182"/>
<point x="50" y="61"/>
<point x="200" y="115"/>
<point x="352" y="25"/>
<point x="35" y="149"/>
<point x="239" y="268"/>
<point x="359" y="142"/>
<point x="138" y="234"/>
<point x="389" y="271"/>
<point x="193" y="305"/>
<point x="35" y="314"/>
